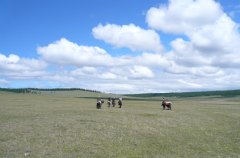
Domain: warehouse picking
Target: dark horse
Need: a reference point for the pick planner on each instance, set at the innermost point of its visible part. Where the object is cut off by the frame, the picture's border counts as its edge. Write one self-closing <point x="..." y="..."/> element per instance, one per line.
<point x="109" y="102"/>
<point x="113" y="102"/>
<point x="120" y="102"/>
<point x="99" y="103"/>
<point x="167" y="105"/>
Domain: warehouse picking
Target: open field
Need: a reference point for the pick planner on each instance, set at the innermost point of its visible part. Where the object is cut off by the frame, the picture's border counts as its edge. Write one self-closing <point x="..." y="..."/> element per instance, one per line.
<point x="58" y="125"/>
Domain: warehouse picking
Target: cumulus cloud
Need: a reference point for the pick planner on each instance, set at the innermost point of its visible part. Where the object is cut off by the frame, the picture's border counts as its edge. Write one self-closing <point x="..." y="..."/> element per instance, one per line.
<point x="116" y="87"/>
<point x="64" y="52"/>
<point x="141" y="72"/>
<point x="185" y="54"/>
<point x="219" y="37"/>
<point x="190" y="84"/>
<point x="11" y="59"/>
<point x="93" y="73"/>
<point x="86" y="70"/>
<point x="13" y="66"/>
<point x="108" y="76"/>
<point x="133" y="72"/>
<point x="128" y="36"/>
<point x="213" y="37"/>
<point x="116" y="72"/>
<point x="152" y="60"/>
<point x="15" y="63"/>
<point x="183" y="16"/>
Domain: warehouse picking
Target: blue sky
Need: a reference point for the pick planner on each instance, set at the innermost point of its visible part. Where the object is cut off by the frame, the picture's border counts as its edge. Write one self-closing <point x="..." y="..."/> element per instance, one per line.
<point x="123" y="46"/>
<point x="42" y="22"/>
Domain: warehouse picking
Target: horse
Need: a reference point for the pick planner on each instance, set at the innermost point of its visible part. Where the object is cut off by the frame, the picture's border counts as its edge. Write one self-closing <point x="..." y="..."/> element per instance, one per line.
<point x="120" y="102"/>
<point x="166" y="104"/>
<point x="113" y="102"/>
<point x="99" y="103"/>
<point x="109" y="102"/>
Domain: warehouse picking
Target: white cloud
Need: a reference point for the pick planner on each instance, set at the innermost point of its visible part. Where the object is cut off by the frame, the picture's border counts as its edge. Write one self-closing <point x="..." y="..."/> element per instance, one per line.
<point x="185" y="54"/>
<point x="84" y="71"/>
<point x="129" y="36"/>
<point x="112" y="73"/>
<point x="11" y="59"/>
<point x="213" y="36"/>
<point x="108" y="76"/>
<point x="13" y="66"/>
<point x="93" y="73"/>
<point x="64" y="52"/>
<point x="152" y="60"/>
<point x="141" y="72"/>
<point x="190" y="84"/>
<point x="15" y="63"/>
<point x="230" y="60"/>
<point x="115" y="87"/>
<point x="136" y="72"/>
<point x="183" y="16"/>
<point x="219" y="37"/>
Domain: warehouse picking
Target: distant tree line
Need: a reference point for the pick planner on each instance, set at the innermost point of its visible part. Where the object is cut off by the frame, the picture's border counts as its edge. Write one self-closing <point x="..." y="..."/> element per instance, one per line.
<point x="29" y="90"/>
<point x="225" y="93"/>
<point x="15" y="90"/>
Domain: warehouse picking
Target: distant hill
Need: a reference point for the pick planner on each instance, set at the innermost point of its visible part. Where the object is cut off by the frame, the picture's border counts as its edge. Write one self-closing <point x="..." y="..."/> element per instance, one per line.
<point x="29" y="90"/>
<point x="69" y="92"/>
<point x="225" y="93"/>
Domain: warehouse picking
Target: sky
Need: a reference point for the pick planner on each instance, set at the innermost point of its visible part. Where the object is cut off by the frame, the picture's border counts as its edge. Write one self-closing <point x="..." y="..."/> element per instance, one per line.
<point x="127" y="46"/>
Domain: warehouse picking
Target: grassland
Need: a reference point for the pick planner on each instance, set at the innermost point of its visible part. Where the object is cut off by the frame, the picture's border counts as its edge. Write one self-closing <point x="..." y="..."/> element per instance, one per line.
<point x="61" y="124"/>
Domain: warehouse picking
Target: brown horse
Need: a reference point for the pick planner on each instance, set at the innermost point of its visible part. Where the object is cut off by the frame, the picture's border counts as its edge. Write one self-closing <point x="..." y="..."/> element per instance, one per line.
<point x="167" y="105"/>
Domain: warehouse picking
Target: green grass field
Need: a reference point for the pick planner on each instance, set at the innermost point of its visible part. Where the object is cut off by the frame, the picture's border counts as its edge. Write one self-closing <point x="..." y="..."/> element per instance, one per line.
<point x="62" y="125"/>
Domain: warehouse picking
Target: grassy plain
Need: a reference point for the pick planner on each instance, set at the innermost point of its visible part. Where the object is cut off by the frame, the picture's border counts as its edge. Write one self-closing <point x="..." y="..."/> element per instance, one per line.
<point x="64" y="125"/>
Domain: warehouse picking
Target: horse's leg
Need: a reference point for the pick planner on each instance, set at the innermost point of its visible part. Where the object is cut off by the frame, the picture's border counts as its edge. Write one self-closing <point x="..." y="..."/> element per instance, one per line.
<point x="167" y="107"/>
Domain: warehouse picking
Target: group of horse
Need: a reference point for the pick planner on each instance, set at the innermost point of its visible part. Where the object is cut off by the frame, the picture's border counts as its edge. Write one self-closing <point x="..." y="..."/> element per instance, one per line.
<point x="167" y="105"/>
<point x="111" y="102"/>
